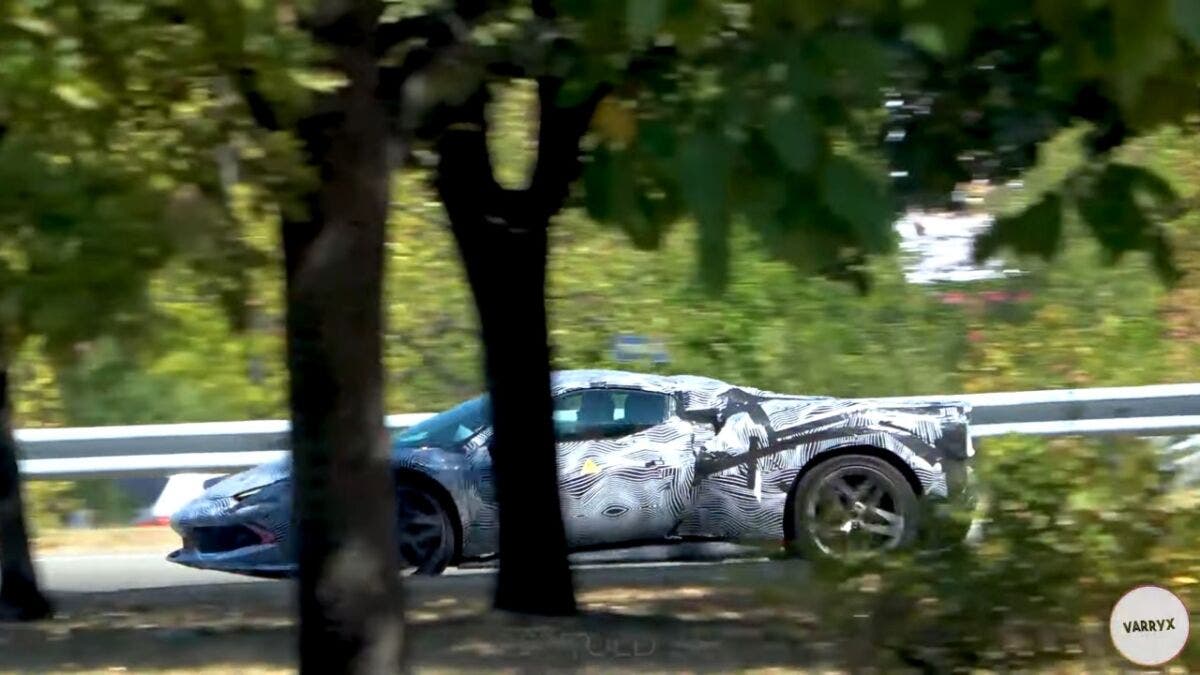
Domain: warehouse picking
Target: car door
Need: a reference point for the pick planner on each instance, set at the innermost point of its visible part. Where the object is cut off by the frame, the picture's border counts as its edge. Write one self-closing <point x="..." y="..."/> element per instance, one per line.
<point x="626" y="465"/>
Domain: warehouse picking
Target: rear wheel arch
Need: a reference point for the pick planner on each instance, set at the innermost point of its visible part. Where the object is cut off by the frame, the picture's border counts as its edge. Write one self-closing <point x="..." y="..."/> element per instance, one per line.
<point x="441" y="494"/>
<point x="845" y="451"/>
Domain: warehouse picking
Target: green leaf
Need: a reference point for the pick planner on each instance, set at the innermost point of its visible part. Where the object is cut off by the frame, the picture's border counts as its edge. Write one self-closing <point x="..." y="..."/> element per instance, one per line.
<point x="323" y="81"/>
<point x="656" y="138"/>
<point x="10" y="303"/>
<point x="1118" y="205"/>
<point x="644" y="17"/>
<point x="794" y="136"/>
<point x="803" y="233"/>
<point x="704" y="183"/>
<point x="77" y="96"/>
<point x="704" y="173"/>
<point x="1163" y="259"/>
<point x="598" y="185"/>
<point x="33" y="24"/>
<point x="690" y="23"/>
<point x="1186" y="14"/>
<point x="814" y="241"/>
<point x="658" y="210"/>
<point x="854" y="196"/>
<point x="1036" y="230"/>
<point x="1154" y="187"/>
<point x="861" y="66"/>
<point x="606" y="185"/>
<point x="760" y="185"/>
<point x="616" y="194"/>
<point x="941" y="27"/>
<point x="928" y="37"/>
<point x="1139" y="30"/>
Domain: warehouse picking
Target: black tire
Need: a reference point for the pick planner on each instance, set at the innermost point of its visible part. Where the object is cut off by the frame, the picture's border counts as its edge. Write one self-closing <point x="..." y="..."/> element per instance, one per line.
<point x="424" y="531"/>
<point x="853" y="507"/>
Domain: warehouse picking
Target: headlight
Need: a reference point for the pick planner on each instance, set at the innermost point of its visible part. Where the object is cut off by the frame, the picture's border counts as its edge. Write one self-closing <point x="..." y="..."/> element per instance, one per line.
<point x="245" y="494"/>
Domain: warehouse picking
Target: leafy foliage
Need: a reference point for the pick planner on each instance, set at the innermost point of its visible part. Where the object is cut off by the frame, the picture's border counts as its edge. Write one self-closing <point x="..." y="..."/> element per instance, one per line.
<point x="774" y="113"/>
<point x="811" y="124"/>
<point x="106" y="157"/>
<point x="1071" y="525"/>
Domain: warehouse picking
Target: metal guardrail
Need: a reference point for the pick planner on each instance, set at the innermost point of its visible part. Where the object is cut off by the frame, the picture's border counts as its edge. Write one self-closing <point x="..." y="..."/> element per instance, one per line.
<point x="1156" y="410"/>
<point x="1125" y="426"/>
<point x="132" y="466"/>
<point x="160" y="449"/>
<point x="1062" y="405"/>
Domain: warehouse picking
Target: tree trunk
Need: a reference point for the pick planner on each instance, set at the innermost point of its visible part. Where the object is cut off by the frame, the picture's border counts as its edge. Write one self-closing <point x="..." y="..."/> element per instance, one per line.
<point x="351" y="618"/>
<point x="20" y="597"/>
<point x="506" y="267"/>
<point x="502" y="238"/>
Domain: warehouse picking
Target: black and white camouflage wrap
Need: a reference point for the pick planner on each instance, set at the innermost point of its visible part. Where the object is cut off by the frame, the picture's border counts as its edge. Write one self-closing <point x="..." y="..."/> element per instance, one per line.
<point x="722" y="466"/>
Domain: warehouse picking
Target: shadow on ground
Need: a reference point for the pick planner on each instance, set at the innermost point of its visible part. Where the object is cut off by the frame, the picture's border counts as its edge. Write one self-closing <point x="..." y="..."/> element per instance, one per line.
<point x="634" y="618"/>
<point x="685" y="617"/>
<point x="224" y="628"/>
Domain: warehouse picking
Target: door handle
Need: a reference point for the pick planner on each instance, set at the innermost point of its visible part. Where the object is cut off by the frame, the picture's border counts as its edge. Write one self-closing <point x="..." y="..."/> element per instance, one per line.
<point x="655" y="463"/>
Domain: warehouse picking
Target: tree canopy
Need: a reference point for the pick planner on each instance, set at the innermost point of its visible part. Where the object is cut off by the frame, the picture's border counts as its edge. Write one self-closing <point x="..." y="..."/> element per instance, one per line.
<point x="107" y="159"/>
<point x="812" y="122"/>
<point x="815" y="122"/>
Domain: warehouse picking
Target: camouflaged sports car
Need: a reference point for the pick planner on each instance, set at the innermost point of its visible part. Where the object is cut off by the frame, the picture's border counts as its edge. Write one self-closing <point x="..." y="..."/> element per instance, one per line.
<point x="642" y="458"/>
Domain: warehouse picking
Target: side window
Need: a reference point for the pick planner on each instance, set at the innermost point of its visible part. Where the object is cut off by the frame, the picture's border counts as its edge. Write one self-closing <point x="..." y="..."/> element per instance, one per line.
<point x="608" y="413"/>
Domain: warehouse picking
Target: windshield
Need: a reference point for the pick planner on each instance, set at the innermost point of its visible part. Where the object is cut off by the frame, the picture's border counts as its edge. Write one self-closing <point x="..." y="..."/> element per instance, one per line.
<point x="448" y="428"/>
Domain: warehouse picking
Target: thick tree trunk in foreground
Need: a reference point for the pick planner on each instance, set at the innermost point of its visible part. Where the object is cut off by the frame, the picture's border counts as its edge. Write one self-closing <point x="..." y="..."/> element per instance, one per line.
<point x="20" y="598"/>
<point x="351" y="618"/>
<point x="502" y="237"/>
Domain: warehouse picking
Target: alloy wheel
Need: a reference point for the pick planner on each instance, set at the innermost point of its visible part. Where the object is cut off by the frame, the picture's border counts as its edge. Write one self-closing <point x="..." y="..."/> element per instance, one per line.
<point x="420" y="529"/>
<point x="855" y="511"/>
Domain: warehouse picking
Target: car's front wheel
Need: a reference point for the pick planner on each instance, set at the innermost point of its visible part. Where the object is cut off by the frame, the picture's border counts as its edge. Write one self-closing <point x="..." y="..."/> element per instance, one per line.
<point x="851" y="507"/>
<point x="424" y="531"/>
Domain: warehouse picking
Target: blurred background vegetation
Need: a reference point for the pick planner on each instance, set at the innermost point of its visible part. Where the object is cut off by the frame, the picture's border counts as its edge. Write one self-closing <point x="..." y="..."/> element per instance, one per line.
<point x="1068" y="322"/>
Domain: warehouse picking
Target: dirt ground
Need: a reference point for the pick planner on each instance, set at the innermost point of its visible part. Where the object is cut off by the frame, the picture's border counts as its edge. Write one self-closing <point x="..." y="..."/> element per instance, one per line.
<point x="642" y="619"/>
<point x="105" y="540"/>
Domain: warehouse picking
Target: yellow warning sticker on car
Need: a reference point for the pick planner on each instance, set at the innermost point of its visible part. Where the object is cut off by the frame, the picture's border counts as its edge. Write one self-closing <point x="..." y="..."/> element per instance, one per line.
<point x="590" y="467"/>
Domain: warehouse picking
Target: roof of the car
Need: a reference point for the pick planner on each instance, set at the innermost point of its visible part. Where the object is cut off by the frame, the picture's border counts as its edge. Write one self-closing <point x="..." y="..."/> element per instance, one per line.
<point x="567" y="380"/>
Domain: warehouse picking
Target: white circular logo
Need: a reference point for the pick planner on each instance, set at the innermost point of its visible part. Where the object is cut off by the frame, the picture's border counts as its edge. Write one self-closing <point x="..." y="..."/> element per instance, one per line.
<point x="1149" y="625"/>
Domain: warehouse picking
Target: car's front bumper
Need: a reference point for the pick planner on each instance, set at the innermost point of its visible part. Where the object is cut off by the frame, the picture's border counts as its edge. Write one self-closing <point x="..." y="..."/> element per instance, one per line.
<point x="263" y="560"/>
<point x="949" y="520"/>
<point x="246" y="536"/>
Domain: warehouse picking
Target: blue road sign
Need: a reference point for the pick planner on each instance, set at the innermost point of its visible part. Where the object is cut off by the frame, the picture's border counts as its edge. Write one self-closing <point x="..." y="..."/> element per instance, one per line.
<point x="628" y="347"/>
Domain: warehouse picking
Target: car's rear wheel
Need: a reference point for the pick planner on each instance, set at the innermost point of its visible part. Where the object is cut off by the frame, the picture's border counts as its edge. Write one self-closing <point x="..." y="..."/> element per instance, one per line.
<point x="424" y="532"/>
<point x="852" y="507"/>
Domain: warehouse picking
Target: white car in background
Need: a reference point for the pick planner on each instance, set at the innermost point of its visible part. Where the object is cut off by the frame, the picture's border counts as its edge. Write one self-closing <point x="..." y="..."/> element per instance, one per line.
<point x="180" y="489"/>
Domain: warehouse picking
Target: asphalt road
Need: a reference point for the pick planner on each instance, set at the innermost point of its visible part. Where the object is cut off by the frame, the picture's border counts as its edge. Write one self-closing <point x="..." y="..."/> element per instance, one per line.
<point x="102" y="573"/>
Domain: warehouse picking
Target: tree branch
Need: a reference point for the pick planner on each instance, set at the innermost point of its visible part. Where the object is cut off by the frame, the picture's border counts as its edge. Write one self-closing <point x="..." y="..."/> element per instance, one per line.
<point x="560" y="130"/>
<point x="465" y="178"/>
<point x="262" y="111"/>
